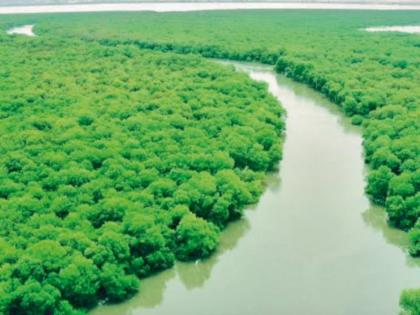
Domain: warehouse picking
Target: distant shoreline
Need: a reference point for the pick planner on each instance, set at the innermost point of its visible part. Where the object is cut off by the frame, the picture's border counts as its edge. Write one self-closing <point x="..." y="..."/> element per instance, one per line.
<point x="186" y="6"/>
<point x="22" y="3"/>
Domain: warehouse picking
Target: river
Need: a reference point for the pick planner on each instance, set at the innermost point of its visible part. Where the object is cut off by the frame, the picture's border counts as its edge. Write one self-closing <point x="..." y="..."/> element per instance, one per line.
<point x="312" y="245"/>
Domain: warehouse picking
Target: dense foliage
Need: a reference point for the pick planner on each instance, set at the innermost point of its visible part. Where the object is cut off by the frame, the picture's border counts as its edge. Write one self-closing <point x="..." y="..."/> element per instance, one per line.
<point x="373" y="77"/>
<point x="410" y="301"/>
<point x="375" y="84"/>
<point x="114" y="162"/>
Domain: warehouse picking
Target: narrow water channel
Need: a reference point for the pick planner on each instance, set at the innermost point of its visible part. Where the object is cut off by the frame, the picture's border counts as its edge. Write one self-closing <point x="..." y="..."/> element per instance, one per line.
<point x="312" y="245"/>
<point x="26" y="30"/>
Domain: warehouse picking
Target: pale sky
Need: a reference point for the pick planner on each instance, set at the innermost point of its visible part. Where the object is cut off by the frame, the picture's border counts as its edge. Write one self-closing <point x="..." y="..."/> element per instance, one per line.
<point x="35" y="2"/>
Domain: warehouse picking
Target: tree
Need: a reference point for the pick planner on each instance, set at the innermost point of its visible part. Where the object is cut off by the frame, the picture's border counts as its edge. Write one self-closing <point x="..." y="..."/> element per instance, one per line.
<point x="384" y="156"/>
<point x="109" y="209"/>
<point x="33" y="298"/>
<point x="195" y="238"/>
<point x="39" y="260"/>
<point x="414" y="236"/>
<point x="115" y="284"/>
<point x="116" y="245"/>
<point x="378" y="181"/>
<point x="401" y="185"/>
<point x="410" y="301"/>
<point x="79" y="282"/>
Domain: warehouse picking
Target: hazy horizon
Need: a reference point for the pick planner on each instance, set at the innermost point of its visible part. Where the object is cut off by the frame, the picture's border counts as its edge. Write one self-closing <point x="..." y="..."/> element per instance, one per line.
<point x="52" y="2"/>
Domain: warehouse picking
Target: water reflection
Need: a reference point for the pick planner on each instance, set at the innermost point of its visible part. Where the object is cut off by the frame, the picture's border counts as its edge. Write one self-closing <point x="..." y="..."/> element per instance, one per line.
<point x="376" y="218"/>
<point x="195" y="274"/>
<point x="152" y="296"/>
<point x="192" y="274"/>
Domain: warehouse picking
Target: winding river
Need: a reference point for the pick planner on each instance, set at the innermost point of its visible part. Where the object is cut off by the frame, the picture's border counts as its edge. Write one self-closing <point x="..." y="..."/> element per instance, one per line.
<point x="312" y="245"/>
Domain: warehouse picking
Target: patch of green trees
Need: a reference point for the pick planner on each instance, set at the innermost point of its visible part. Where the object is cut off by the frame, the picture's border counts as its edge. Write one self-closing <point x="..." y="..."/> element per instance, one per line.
<point x="115" y="162"/>
<point x="410" y="301"/>
<point x="376" y="84"/>
<point x="373" y="77"/>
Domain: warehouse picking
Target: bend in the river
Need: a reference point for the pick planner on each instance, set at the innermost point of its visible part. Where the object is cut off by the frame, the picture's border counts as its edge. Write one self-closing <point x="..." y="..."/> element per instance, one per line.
<point x="313" y="245"/>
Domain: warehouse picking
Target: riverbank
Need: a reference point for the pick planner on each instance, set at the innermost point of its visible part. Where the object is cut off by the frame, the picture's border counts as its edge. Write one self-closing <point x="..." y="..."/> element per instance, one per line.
<point x="307" y="70"/>
<point x="310" y="245"/>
